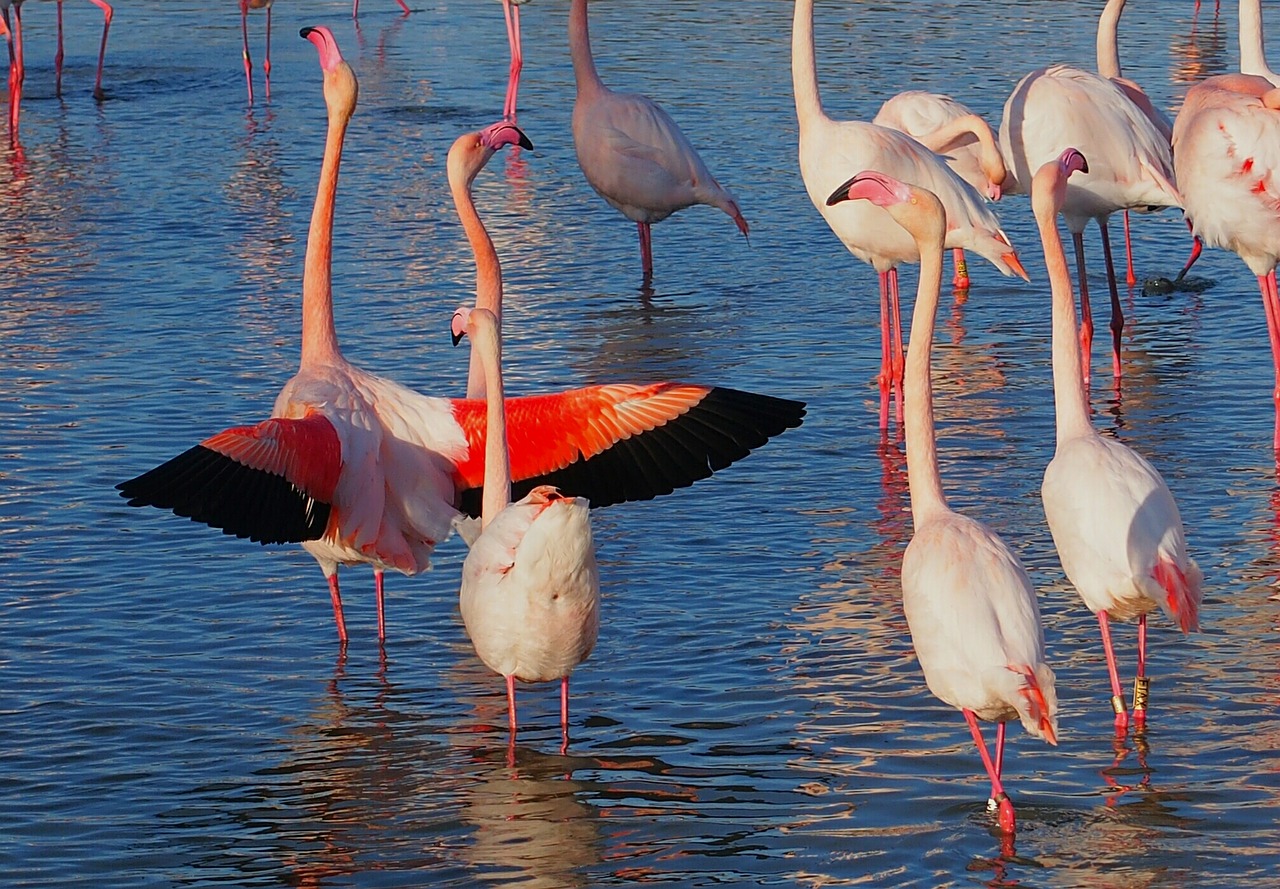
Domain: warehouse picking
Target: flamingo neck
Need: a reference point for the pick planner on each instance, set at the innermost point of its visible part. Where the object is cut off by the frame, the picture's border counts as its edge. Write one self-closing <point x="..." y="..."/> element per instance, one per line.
<point x="1253" y="56"/>
<point x="319" y="337"/>
<point x="487" y="341"/>
<point x="941" y="140"/>
<point x="1070" y="403"/>
<point x="488" y="269"/>
<point x="1108" y="52"/>
<point x="804" y="65"/>
<point x="923" y="477"/>
<point x="584" y="67"/>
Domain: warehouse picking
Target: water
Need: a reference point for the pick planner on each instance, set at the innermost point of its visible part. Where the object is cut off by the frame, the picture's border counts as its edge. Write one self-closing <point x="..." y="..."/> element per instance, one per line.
<point x="175" y="707"/>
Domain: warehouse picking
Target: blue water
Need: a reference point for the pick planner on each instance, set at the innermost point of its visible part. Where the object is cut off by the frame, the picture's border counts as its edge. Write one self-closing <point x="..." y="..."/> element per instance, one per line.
<point x="175" y="708"/>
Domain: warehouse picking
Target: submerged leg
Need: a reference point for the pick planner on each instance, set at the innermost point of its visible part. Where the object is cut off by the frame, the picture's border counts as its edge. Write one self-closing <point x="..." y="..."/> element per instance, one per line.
<point x="107" y="14"/>
<point x="1141" y="682"/>
<point x="960" y="280"/>
<point x="1004" y="805"/>
<point x="564" y="715"/>
<point x="337" y="607"/>
<point x="898" y="355"/>
<point x="646" y="250"/>
<point x="1117" y="313"/>
<point x="378" y="596"/>
<point x="885" y="380"/>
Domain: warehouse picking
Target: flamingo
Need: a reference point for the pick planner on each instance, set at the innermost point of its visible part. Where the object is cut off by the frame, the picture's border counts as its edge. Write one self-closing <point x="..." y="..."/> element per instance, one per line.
<point x="245" y="6"/>
<point x="1252" y="61"/>
<point x="467" y="157"/>
<point x="511" y="11"/>
<point x="1129" y="162"/>
<point x="631" y="151"/>
<point x="362" y="470"/>
<point x="1109" y="67"/>
<point x="963" y="138"/>
<point x="1114" y="522"/>
<point x="530" y="595"/>
<point x="969" y="603"/>
<point x="830" y="148"/>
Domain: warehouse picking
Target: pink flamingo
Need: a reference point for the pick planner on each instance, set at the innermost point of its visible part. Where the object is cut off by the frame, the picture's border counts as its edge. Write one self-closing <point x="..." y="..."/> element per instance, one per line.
<point x="952" y="130"/>
<point x="511" y="11"/>
<point x="829" y="149"/>
<point x="631" y="151"/>
<point x="530" y="596"/>
<point x="968" y="601"/>
<point x="1109" y="67"/>
<point x="355" y="8"/>
<point x="245" y="6"/>
<point x="361" y="470"/>
<point x="1226" y="142"/>
<point x="1114" y="522"/>
<point x="1129" y="164"/>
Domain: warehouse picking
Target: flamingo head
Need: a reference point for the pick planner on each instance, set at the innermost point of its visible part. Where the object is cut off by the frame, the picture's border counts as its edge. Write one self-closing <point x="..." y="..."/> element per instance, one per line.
<point x="916" y="209"/>
<point x="503" y="133"/>
<point x="326" y="44"/>
<point x="458" y="329"/>
<point x="993" y="190"/>
<point x="1072" y="161"/>
<point x="1049" y="185"/>
<point x="879" y="189"/>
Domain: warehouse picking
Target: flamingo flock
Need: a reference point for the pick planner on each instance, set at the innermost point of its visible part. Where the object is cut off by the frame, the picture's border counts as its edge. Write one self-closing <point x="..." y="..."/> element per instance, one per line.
<point x="363" y="471"/>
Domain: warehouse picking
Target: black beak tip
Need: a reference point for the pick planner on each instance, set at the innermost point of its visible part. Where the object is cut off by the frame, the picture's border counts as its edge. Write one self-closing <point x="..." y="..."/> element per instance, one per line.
<point x="304" y="33"/>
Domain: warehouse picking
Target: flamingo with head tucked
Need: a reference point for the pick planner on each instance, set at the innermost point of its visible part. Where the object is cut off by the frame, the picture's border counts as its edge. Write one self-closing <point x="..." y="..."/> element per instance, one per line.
<point x="1114" y="522"/>
<point x="631" y="151"/>
<point x="362" y="470"/>
<point x="830" y="148"/>
<point x="969" y="603"/>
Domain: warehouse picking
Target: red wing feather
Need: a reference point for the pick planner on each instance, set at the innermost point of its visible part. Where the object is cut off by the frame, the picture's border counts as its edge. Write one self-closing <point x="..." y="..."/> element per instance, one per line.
<point x="307" y="452"/>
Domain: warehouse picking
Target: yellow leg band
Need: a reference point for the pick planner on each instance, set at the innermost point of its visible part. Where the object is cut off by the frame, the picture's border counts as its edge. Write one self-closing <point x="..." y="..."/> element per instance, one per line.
<point x="1117" y="704"/>
<point x="1141" y="692"/>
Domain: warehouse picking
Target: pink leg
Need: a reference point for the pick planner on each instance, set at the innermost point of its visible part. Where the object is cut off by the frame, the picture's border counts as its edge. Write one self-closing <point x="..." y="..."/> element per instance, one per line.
<point x="1117" y="699"/>
<point x="1140" y="683"/>
<point x="1004" y="805"/>
<point x="511" y="705"/>
<point x="404" y="6"/>
<point x="1271" y="303"/>
<point x="564" y="715"/>
<point x="17" y="74"/>
<point x="107" y="13"/>
<point x="885" y="379"/>
<point x="58" y="56"/>
<point x="512" y="14"/>
<point x="1197" y="247"/>
<point x="961" y="279"/>
<point x="898" y="356"/>
<point x="646" y="250"/>
<point x="337" y="607"/>
<point x="1129" y="277"/>
<point x="355" y="9"/>
<point x="1086" y="316"/>
<point x="1117" y="313"/>
<point x="377" y="594"/>
<point x="999" y="748"/>
<point x="244" y="31"/>
<point x="266" y="65"/>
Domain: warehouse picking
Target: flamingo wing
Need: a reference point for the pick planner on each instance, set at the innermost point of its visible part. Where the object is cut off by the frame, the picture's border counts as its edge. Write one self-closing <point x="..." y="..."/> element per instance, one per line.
<point x="271" y="483"/>
<point x="617" y="443"/>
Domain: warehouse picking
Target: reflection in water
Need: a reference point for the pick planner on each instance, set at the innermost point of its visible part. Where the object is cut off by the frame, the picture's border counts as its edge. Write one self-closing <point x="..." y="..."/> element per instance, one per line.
<point x="1202" y="52"/>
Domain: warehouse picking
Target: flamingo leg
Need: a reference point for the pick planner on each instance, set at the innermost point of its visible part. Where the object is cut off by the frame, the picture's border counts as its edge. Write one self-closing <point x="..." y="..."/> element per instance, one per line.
<point x="961" y="279"/>
<point x="999" y="748"/>
<point x="338" y="618"/>
<point x="244" y="31"/>
<point x="512" y="14"/>
<point x="646" y="250"/>
<point x="899" y="354"/>
<point x="1117" y="699"/>
<point x="1197" y="247"/>
<point x="404" y="6"/>
<point x="1129" y="277"/>
<point x="58" y="56"/>
<point x="1117" y="313"/>
<point x="511" y="705"/>
<point x="266" y="64"/>
<point x="378" y="596"/>
<point x="1141" y="682"/>
<point x="564" y="715"/>
<point x="1271" y="303"/>
<point x="886" y="359"/>
<point x="1003" y="804"/>
<point x="107" y="14"/>
<point x="1086" y="316"/>
<point x="17" y="74"/>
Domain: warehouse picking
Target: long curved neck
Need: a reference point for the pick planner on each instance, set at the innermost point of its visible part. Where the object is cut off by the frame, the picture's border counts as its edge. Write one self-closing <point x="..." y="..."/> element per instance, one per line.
<point x="1070" y="403"/>
<point x="497" y="464"/>
<point x="584" y="66"/>
<point x="319" y="337"/>
<point x="1253" y="57"/>
<point x="488" y="269"/>
<point x="804" y="66"/>
<point x="1108" y="52"/>
<point x="923" y="476"/>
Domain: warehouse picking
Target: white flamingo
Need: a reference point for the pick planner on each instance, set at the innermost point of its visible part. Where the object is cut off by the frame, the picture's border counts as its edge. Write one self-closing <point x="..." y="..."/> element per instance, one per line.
<point x="362" y="470"/>
<point x="969" y="603"/>
<point x="530" y="595"/>
<point x="961" y="137"/>
<point x="1114" y="522"/>
<point x="631" y="151"/>
<point x="829" y="149"/>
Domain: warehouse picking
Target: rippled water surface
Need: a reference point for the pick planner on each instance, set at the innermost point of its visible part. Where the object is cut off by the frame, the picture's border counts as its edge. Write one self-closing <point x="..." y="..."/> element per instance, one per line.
<point x="175" y="709"/>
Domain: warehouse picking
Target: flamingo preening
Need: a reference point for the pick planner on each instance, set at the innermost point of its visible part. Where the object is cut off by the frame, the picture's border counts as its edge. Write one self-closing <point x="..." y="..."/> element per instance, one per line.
<point x="830" y="148"/>
<point x="1114" y="522"/>
<point x="631" y="151"/>
<point x="362" y="470"/>
<point x="969" y="603"/>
